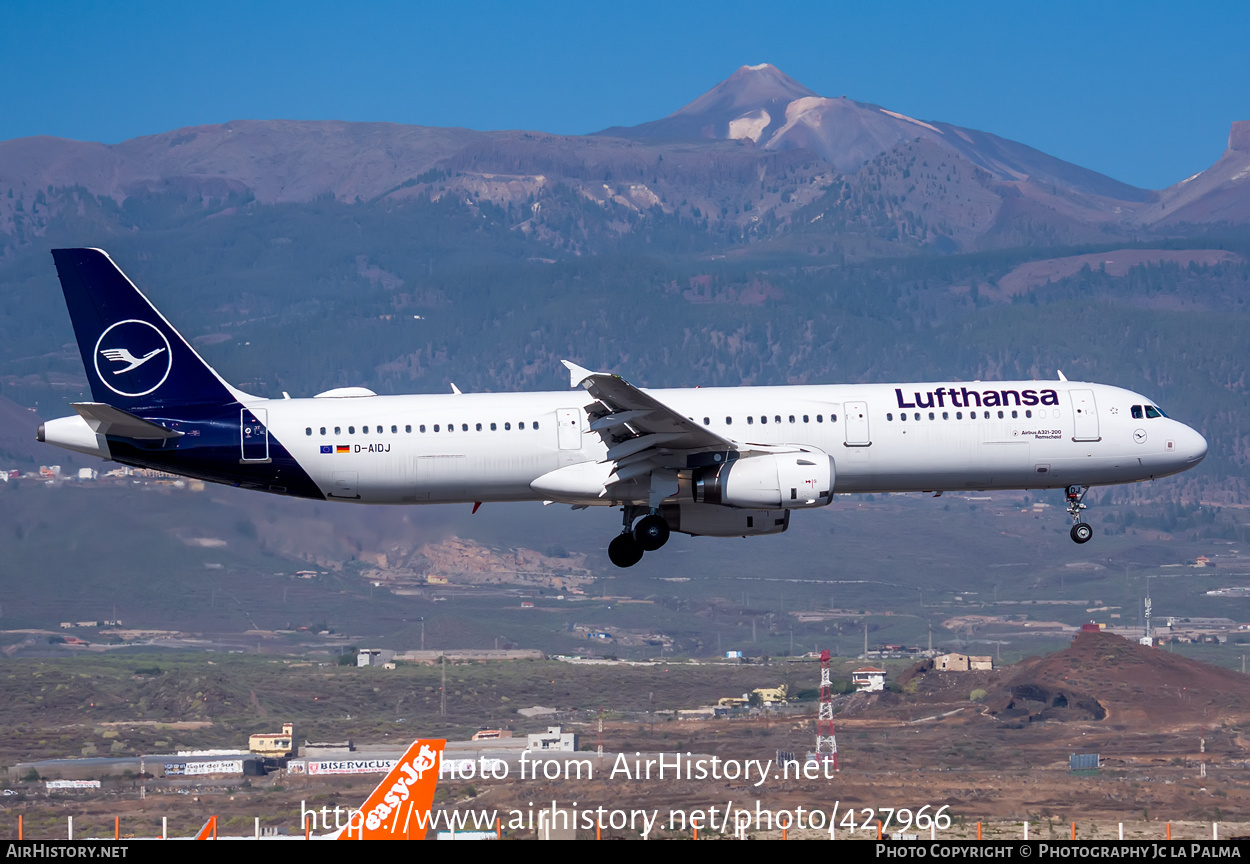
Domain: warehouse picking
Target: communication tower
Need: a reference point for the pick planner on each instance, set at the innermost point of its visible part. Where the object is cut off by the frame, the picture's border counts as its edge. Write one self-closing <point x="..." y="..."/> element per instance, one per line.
<point x="826" y="741"/>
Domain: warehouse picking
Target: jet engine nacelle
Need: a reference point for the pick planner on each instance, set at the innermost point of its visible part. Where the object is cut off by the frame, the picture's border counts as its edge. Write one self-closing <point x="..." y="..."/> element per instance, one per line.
<point x="768" y="481"/>
<point x="709" y="520"/>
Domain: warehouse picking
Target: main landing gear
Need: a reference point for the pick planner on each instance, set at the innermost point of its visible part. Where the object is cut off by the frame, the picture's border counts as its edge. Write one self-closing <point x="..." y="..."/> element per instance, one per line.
<point x="1081" y="532"/>
<point x="648" y="535"/>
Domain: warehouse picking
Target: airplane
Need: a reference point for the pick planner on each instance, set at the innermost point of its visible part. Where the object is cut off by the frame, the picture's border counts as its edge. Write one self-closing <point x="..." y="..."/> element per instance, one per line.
<point x="714" y="461"/>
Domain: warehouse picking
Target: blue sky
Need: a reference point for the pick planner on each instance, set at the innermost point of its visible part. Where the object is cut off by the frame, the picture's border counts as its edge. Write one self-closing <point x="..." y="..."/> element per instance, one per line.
<point x="1142" y="91"/>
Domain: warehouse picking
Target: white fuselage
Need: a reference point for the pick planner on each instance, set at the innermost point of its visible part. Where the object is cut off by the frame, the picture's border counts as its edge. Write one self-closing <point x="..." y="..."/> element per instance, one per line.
<point x="881" y="437"/>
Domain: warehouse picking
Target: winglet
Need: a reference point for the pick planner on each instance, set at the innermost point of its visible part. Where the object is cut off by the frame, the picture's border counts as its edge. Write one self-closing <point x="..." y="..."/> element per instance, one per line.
<point x="576" y="373"/>
<point x="1062" y="377"/>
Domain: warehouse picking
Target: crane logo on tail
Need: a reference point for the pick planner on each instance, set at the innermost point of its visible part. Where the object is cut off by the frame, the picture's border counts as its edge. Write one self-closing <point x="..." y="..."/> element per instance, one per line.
<point x="134" y="344"/>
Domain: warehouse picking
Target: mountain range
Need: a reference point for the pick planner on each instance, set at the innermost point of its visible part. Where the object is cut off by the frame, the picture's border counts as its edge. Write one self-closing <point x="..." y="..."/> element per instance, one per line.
<point x="757" y="157"/>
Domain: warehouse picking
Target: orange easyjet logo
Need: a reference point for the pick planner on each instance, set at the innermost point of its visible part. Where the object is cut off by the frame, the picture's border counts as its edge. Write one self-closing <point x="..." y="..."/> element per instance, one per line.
<point x="399" y="808"/>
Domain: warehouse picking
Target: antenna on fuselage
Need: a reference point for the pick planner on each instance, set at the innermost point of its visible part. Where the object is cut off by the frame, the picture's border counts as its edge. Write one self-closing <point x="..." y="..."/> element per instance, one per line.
<point x="1062" y="377"/>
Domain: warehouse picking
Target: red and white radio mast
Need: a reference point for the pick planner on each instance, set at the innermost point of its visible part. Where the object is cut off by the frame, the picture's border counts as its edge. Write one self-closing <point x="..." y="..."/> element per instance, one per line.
<point x="826" y="741"/>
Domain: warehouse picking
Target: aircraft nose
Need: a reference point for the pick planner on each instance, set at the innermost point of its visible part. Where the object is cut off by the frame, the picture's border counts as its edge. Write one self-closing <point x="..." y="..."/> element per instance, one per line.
<point x="1195" y="447"/>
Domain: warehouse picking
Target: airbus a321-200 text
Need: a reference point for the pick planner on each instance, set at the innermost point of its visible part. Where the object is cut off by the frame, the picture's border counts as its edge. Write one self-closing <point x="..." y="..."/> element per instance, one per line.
<point x="719" y="462"/>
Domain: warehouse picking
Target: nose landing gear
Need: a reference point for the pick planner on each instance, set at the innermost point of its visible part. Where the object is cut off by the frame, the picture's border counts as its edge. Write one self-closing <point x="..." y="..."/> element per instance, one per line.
<point x="648" y="535"/>
<point x="1082" y="532"/>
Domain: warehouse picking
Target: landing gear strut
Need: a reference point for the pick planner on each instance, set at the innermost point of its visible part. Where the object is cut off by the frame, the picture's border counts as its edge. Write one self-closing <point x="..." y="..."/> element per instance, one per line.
<point x="1081" y="532"/>
<point x="649" y="534"/>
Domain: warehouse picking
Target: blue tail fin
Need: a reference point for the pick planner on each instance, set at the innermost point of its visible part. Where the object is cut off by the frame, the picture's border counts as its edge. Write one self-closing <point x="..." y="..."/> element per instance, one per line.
<point x="133" y="357"/>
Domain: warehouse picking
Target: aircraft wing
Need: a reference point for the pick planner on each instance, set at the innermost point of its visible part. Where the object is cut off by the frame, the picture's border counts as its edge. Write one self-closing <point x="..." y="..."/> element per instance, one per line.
<point x="641" y="432"/>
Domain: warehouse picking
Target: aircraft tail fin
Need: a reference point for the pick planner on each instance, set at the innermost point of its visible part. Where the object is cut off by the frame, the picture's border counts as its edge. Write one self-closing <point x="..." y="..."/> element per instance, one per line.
<point x="399" y="808"/>
<point x="134" y="358"/>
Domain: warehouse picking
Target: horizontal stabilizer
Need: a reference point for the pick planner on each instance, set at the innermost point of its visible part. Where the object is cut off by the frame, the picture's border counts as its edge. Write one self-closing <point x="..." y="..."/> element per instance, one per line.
<point x="107" y="420"/>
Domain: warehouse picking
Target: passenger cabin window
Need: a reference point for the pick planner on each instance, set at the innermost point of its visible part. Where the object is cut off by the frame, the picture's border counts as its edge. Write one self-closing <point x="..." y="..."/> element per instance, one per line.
<point x="338" y="430"/>
<point x="408" y="428"/>
<point x="323" y="430"/>
<point x="308" y="431"/>
<point x="535" y="424"/>
<point x="464" y="427"/>
<point x="750" y="420"/>
<point x="435" y="427"/>
<point x="729" y="421"/>
<point x="493" y="427"/>
<point x="777" y="419"/>
<point x="805" y="420"/>
<point x="479" y="427"/>
<point x="507" y="427"/>
<point x="351" y="430"/>
<point x="707" y="421"/>
<point x="820" y="418"/>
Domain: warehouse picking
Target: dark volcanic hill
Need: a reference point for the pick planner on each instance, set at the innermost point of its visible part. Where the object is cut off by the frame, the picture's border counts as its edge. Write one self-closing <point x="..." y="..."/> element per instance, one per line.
<point x="1105" y="677"/>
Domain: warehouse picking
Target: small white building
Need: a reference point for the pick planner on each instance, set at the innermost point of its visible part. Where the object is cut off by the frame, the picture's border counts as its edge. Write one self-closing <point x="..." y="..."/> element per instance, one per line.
<point x="376" y="657"/>
<point x="962" y="663"/>
<point x="553" y="739"/>
<point x="868" y="679"/>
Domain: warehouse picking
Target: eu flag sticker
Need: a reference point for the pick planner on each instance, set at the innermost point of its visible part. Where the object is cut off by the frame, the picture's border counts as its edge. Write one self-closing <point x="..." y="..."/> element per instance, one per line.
<point x="327" y="448"/>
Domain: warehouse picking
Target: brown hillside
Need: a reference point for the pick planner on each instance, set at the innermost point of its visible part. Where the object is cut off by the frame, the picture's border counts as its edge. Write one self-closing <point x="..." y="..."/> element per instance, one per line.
<point x="1105" y="677"/>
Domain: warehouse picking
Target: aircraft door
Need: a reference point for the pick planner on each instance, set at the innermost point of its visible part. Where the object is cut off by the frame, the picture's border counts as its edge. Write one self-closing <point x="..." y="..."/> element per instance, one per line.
<point x="856" y="415"/>
<point x="569" y="425"/>
<point x="253" y="436"/>
<point x="1085" y="416"/>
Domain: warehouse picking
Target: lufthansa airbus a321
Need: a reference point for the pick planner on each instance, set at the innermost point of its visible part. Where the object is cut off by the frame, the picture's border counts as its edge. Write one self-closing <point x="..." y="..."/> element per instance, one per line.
<point x="721" y="462"/>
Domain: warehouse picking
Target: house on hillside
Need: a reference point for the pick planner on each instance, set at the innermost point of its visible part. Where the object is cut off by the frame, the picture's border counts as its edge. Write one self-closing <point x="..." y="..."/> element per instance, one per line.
<point x="962" y="663"/>
<point x="868" y="679"/>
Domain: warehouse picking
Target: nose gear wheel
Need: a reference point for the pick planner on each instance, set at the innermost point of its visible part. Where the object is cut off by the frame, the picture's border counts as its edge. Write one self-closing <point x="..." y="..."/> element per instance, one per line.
<point x="1082" y="532"/>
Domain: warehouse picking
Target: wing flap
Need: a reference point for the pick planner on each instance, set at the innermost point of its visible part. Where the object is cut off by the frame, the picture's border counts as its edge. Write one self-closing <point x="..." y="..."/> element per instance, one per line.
<point x="645" y="438"/>
<point x="639" y="414"/>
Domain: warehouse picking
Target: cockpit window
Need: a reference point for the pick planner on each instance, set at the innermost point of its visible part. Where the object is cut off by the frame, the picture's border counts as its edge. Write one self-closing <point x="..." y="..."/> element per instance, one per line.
<point x="1152" y="412"/>
<point x="1137" y="415"/>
